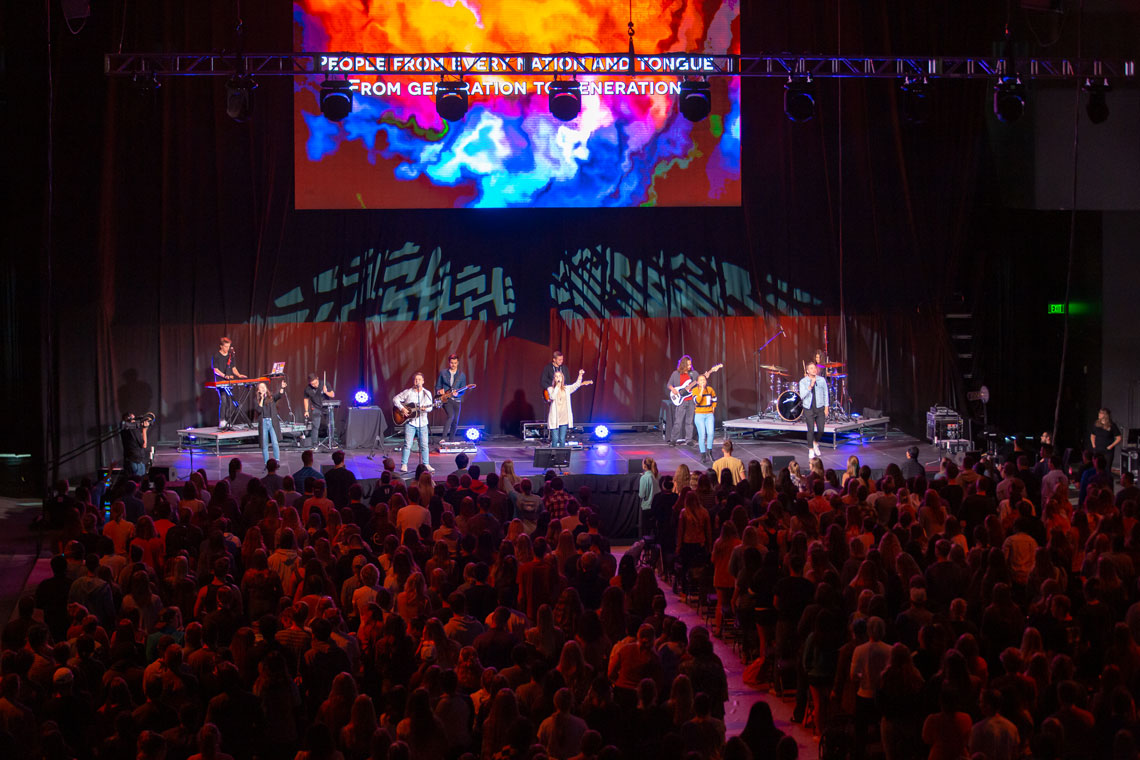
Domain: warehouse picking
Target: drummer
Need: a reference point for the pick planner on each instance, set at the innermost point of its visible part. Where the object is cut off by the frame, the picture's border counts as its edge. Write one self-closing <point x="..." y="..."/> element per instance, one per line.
<point x="819" y="358"/>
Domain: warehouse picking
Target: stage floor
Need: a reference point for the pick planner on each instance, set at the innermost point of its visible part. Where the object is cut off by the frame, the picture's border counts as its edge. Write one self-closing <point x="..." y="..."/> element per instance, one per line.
<point x="609" y="458"/>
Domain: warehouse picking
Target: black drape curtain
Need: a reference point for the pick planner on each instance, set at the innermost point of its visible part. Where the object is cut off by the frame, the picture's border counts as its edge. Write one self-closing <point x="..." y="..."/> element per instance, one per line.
<point x="175" y="225"/>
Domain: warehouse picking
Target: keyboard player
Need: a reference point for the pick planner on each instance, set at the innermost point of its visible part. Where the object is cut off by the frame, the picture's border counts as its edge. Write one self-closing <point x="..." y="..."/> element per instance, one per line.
<point x="225" y="368"/>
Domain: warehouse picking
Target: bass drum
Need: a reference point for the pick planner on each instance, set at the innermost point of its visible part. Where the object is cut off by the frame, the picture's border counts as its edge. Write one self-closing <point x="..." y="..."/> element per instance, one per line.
<point x="790" y="406"/>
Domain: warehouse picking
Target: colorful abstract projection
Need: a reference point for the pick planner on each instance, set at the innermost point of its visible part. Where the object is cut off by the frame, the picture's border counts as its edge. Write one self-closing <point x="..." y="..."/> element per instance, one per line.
<point x="623" y="150"/>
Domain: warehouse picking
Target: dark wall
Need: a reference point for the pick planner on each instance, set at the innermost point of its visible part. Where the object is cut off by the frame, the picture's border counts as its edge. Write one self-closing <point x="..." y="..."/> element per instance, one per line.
<point x="173" y="224"/>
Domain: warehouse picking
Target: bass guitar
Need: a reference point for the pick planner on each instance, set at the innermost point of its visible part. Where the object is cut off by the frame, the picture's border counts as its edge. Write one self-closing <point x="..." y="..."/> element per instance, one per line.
<point x="414" y="410"/>
<point x="677" y="397"/>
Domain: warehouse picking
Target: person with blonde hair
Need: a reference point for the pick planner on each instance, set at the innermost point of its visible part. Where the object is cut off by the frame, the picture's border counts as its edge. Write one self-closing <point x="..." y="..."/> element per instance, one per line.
<point x="507" y="477"/>
<point x="648" y="487"/>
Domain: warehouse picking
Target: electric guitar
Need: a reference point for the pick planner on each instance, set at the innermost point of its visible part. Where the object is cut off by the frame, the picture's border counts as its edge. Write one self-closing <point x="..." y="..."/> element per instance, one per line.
<point x="414" y="410"/>
<point x="675" y="394"/>
<point x="546" y="392"/>
<point x="453" y="393"/>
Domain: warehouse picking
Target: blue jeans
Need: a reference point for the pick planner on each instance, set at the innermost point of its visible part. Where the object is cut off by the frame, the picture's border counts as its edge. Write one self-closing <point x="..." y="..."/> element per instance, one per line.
<point x="268" y="433"/>
<point x="705" y="427"/>
<point x="136" y="468"/>
<point x="558" y="435"/>
<point x="410" y="433"/>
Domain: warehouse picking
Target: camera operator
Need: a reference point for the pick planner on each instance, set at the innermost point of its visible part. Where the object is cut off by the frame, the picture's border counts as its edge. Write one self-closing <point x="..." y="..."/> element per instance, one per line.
<point x="133" y="435"/>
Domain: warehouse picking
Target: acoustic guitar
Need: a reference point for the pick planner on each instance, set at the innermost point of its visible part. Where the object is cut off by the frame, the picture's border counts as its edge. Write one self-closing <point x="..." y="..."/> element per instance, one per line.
<point x="414" y="410"/>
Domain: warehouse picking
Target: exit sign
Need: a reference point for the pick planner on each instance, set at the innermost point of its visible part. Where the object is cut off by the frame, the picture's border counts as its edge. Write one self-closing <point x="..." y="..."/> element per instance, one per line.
<point x="1056" y="308"/>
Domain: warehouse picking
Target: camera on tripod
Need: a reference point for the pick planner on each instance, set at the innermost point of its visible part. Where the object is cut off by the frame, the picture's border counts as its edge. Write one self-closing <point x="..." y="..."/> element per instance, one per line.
<point x="131" y="422"/>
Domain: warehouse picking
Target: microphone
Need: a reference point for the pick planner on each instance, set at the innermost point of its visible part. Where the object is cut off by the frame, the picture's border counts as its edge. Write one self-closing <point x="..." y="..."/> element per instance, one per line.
<point x="780" y="328"/>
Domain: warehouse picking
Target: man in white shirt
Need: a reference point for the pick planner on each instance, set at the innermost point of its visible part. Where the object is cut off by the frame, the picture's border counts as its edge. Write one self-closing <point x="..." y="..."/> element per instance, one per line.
<point x="994" y="736"/>
<point x="868" y="662"/>
<point x="417" y="424"/>
<point x="411" y="517"/>
<point x="1055" y="477"/>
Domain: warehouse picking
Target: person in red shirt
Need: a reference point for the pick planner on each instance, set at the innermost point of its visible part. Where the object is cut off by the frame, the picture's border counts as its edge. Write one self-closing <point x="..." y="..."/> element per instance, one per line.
<point x="633" y="662"/>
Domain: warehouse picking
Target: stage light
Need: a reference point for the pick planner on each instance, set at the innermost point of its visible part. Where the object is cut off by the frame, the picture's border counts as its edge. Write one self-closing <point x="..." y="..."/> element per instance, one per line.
<point x="451" y="100"/>
<point x="915" y="99"/>
<point x="1097" y="107"/>
<point x="472" y="434"/>
<point x="601" y="432"/>
<point x="799" y="99"/>
<point x="362" y="397"/>
<point x="146" y="82"/>
<point x="336" y="99"/>
<point x="239" y="97"/>
<point x="696" y="100"/>
<point x="565" y="99"/>
<point x="1009" y="99"/>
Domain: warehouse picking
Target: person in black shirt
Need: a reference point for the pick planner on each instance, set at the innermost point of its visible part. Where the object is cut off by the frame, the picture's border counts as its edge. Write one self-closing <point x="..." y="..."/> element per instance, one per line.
<point x="269" y="424"/>
<point x="548" y="371"/>
<point x="451" y="379"/>
<point x="1105" y="437"/>
<point x="223" y="367"/>
<point x="133" y="436"/>
<point x="314" y="394"/>
<point x="911" y="467"/>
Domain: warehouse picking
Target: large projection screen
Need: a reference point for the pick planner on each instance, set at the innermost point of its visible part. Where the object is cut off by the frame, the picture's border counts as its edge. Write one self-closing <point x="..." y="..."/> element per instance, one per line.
<point x="629" y="146"/>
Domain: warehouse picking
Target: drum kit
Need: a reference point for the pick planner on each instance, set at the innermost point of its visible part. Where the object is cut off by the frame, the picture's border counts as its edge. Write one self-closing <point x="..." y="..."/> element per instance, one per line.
<point x="784" y="401"/>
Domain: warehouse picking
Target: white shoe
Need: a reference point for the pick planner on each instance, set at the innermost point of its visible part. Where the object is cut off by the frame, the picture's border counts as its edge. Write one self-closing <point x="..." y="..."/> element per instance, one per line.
<point x="222" y="425"/>
<point x="403" y="468"/>
<point x="811" y="453"/>
<point x="816" y="450"/>
<point x="429" y="468"/>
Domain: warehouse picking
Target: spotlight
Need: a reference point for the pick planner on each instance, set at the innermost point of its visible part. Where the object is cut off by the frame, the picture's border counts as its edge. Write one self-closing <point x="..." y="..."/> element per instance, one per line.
<point x="1009" y="99"/>
<point x="362" y="397"/>
<point x="451" y="100"/>
<point x="472" y="434"/>
<point x="336" y="99"/>
<point x="1097" y="107"/>
<point x="915" y="95"/>
<point x="565" y="99"/>
<point x="239" y="97"/>
<point x="799" y="99"/>
<point x="696" y="100"/>
<point x="601" y="432"/>
<point x="146" y="82"/>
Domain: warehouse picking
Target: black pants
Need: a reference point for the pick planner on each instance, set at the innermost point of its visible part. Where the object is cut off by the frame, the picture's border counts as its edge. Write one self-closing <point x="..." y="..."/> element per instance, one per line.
<point x="315" y="428"/>
<point x="815" y="419"/>
<point x="451" y="425"/>
<point x="225" y="400"/>
<point x="681" y="426"/>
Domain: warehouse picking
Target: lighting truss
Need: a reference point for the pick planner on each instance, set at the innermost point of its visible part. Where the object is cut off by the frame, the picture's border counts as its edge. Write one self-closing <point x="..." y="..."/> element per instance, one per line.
<point x="612" y="64"/>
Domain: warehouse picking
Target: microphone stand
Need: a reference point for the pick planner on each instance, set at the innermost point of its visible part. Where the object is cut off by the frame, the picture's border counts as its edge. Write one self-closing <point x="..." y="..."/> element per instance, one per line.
<point x="759" y="384"/>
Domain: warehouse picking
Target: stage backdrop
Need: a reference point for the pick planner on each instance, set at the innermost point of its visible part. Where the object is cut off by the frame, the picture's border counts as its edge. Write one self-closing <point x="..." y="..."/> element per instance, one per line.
<point x="174" y="225"/>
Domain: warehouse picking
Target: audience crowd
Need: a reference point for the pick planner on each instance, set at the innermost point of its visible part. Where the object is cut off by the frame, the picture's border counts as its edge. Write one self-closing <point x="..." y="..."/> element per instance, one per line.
<point x="983" y="611"/>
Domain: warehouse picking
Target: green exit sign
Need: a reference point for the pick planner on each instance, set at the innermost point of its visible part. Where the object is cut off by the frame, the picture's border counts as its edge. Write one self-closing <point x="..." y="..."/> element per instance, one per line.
<point x="1056" y="308"/>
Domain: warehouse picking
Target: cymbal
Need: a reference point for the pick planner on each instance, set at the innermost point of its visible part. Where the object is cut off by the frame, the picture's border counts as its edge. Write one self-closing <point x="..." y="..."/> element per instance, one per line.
<point x="831" y="365"/>
<point x="775" y="369"/>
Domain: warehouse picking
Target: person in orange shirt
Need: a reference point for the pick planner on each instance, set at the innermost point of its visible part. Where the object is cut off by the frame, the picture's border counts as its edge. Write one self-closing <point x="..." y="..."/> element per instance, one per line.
<point x="723" y="580"/>
<point x="705" y="399"/>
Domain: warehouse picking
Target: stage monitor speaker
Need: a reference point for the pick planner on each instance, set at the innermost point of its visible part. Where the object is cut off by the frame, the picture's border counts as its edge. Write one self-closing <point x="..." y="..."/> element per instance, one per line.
<point x="163" y="471"/>
<point x="552" y="458"/>
<point x="780" y="461"/>
<point x="869" y="413"/>
<point x="484" y="468"/>
<point x="365" y="424"/>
